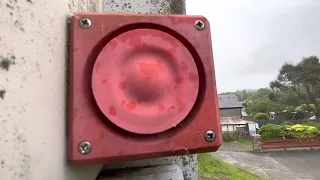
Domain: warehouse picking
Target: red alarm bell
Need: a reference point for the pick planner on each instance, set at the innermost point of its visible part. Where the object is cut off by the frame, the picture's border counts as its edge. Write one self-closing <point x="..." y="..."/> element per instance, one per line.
<point x="140" y="86"/>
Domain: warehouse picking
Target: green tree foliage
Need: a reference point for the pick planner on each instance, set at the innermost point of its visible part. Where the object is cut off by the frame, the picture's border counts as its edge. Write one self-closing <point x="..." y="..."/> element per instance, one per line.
<point x="261" y="116"/>
<point x="302" y="79"/>
<point x="266" y="100"/>
<point x="260" y="105"/>
<point x="307" y="107"/>
<point x="271" y="131"/>
<point x="263" y="105"/>
<point x="297" y="87"/>
<point x="245" y="94"/>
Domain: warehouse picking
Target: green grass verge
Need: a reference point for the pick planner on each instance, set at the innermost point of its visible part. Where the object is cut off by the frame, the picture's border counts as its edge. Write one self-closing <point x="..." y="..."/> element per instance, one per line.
<point x="245" y="141"/>
<point x="212" y="168"/>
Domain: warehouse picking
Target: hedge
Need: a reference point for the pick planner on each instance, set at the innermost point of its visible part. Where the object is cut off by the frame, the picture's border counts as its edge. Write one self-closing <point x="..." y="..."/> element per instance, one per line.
<point x="272" y="131"/>
<point x="301" y="131"/>
<point x="230" y="136"/>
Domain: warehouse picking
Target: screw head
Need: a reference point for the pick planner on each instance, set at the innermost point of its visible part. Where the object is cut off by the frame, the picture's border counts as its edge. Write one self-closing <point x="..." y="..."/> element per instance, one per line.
<point x="209" y="136"/>
<point x="199" y="25"/>
<point x="84" y="147"/>
<point x="84" y="23"/>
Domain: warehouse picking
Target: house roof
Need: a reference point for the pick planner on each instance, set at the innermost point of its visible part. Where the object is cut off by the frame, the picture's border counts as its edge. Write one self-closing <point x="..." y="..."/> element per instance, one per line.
<point x="232" y="120"/>
<point x="228" y="101"/>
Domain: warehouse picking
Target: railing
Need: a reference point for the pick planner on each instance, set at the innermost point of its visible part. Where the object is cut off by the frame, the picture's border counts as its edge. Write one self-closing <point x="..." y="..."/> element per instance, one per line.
<point x="290" y="144"/>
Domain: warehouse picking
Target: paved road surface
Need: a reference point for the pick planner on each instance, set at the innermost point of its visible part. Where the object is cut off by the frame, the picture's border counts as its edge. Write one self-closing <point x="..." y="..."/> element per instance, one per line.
<point x="294" y="165"/>
<point x="300" y="161"/>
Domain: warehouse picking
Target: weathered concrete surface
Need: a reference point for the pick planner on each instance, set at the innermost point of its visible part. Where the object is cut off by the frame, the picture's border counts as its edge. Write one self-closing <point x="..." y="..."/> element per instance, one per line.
<point x="187" y="163"/>
<point x="150" y="173"/>
<point x="276" y="166"/>
<point x="145" y="6"/>
<point x="33" y="69"/>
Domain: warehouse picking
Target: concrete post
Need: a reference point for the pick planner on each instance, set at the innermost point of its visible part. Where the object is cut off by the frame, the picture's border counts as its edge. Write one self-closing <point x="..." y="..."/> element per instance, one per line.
<point x="145" y="6"/>
<point x="256" y="143"/>
<point x="188" y="163"/>
<point x="33" y="58"/>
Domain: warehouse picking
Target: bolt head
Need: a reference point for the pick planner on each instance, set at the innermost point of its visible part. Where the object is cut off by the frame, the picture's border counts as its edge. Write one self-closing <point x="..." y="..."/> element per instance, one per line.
<point x="84" y="23"/>
<point x="84" y="147"/>
<point x="199" y="25"/>
<point x="210" y="136"/>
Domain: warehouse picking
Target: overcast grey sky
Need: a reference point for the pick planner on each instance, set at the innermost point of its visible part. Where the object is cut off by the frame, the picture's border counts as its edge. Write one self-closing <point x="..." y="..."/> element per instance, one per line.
<point x="253" y="38"/>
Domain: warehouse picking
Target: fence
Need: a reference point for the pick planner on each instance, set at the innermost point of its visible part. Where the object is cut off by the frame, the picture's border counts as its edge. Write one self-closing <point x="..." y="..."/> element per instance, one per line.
<point x="290" y="144"/>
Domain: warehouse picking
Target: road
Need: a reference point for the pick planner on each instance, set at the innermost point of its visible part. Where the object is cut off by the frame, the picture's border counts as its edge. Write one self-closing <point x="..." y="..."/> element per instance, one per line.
<point x="300" y="161"/>
<point x="291" y="165"/>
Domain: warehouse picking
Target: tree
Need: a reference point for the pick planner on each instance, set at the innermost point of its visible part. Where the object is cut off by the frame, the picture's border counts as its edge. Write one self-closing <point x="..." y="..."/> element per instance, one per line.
<point x="307" y="107"/>
<point x="261" y="116"/>
<point x="303" y="79"/>
<point x="263" y="105"/>
<point x="243" y="95"/>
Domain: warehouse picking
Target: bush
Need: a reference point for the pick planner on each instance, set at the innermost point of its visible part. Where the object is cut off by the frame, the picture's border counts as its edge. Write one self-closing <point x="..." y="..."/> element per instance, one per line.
<point x="286" y="123"/>
<point x="271" y="131"/>
<point x="312" y="123"/>
<point x="301" y="131"/>
<point x="230" y="136"/>
<point x="261" y="116"/>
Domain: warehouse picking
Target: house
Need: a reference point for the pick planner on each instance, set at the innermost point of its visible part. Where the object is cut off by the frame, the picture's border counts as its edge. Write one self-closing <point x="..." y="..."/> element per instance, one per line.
<point x="230" y="124"/>
<point x="229" y="105"/>
<point x="231" y="113"/>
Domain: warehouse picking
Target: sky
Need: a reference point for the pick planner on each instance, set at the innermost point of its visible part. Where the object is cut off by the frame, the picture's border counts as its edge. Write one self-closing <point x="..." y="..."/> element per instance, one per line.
<point x="252" y="39"/>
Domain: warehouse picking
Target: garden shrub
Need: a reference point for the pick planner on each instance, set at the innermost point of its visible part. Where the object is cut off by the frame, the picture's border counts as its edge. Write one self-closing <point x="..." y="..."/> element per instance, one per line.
<point x="301" y="131"/>
<point x="286" y="123"/>
<point x="230" y="136"/>
<point x="312" y="123"/>
<point x="271" y="131"/>
<point x="261" y="116"/>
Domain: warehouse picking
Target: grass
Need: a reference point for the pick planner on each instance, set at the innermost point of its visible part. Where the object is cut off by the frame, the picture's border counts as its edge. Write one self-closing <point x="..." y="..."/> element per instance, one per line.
<point x="245" y="141"/>
<point x="213" y="168"/>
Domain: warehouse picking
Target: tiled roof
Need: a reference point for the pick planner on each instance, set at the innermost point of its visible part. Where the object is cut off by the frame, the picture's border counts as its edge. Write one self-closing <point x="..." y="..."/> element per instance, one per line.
<point x="229" y="101"/>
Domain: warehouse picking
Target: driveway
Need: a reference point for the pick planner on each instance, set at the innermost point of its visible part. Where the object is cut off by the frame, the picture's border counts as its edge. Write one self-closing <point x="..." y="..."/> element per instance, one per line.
<point x="294" y="165"/>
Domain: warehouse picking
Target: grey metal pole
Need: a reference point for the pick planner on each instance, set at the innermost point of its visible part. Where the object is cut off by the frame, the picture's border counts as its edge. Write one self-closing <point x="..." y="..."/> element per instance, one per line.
<point x="187" y="163"/>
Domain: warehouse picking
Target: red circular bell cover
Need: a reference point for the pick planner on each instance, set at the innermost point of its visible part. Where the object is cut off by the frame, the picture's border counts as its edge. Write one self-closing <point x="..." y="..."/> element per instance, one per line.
<point x="145" y="81"/>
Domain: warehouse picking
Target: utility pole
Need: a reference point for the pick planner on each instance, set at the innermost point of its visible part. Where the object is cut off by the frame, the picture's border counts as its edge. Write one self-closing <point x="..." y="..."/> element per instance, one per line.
<point x="33" y="90"/>
<point x="33" y="81"/>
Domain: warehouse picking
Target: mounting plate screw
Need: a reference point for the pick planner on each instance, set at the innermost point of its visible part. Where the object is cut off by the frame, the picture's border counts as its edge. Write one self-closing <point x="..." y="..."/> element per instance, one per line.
<point x="210" y="136"/>
<point x="84" y="147"/>
<point x="85" y="23"/>
<point x="199" y="25"/>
